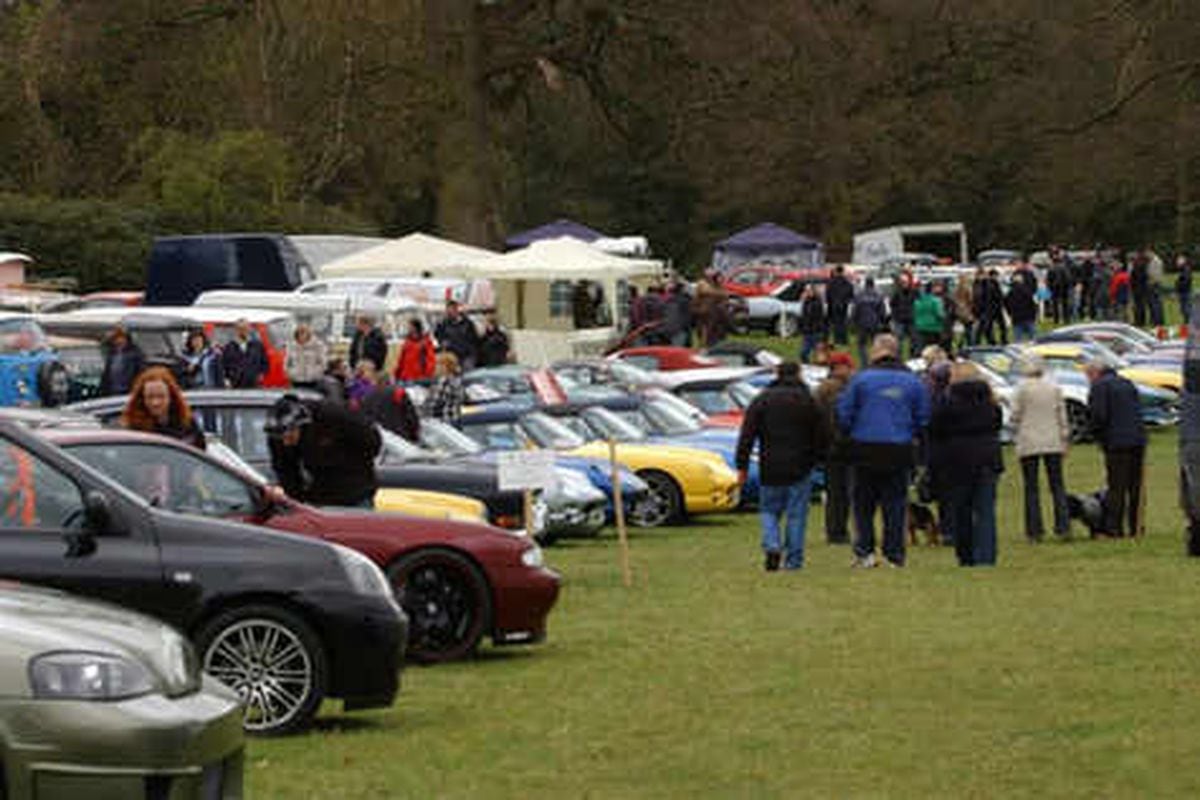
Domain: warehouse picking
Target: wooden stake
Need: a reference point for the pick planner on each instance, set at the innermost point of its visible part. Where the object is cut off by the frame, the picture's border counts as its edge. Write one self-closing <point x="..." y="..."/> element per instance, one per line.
<point x="619" y="512"/>
<point x="528" y="512"/>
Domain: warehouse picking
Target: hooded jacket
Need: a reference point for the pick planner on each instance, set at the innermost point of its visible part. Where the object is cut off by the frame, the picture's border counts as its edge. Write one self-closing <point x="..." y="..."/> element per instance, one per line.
<point x="783" y="420"/>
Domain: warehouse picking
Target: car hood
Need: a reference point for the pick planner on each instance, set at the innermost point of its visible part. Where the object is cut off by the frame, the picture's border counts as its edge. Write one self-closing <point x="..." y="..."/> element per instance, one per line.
<point x="35" y="621"/>
<point x="345" y="524"/>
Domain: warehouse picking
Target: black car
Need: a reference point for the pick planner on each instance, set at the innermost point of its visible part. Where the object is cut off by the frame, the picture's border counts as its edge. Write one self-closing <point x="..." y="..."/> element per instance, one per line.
<point x="237" y="418"/>
<point x="284" y="620"/>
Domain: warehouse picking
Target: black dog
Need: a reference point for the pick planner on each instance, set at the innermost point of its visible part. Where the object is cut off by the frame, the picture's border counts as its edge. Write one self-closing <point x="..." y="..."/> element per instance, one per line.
<point x="1089" y="509"/>
<point x="921" y="518"/>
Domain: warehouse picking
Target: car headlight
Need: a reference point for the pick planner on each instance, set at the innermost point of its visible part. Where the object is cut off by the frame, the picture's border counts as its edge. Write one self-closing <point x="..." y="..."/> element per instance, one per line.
<point x="364" y="576"/>
<point x="532" y="556"/>
<point x="88" y="676"/>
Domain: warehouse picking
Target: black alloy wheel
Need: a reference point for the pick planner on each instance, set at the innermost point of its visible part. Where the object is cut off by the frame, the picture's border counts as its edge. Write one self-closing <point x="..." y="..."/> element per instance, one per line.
<point x="448" y="603"/>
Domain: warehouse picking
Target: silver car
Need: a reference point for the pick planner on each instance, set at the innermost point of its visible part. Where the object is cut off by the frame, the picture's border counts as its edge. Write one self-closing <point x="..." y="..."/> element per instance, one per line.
<point x="98" y="702"/>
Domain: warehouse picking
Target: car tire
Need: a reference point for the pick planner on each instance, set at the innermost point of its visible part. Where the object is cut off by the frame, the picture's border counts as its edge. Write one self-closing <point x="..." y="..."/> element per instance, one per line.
<point x="1079" y="421"/>
<point x="240" y="646"/>
<point x="668" y="494"/>
<point x="448" y="602"/>
<point x="53" y="384"/>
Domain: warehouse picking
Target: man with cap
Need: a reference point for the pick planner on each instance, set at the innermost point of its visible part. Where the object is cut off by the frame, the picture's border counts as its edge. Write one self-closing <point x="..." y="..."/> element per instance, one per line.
<point x="1116" y="413"/>
<point x="883" y="410"/>
<point x="837" y="462"/>
<point x="783" y="421"/>
<point x="457" y="334"/>
<point x="322" y="453"/>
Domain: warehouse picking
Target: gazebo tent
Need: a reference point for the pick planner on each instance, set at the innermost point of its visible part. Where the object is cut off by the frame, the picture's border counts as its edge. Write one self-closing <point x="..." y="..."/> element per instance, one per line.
<point x="553" y="230"/>
<point x="411" y="255"/>
<point x="767" y="241"/>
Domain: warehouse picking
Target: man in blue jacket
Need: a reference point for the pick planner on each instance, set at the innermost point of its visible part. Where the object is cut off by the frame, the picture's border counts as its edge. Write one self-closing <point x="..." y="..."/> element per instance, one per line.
<point x="1117" y="425"/>
<point x="883" y="410"/>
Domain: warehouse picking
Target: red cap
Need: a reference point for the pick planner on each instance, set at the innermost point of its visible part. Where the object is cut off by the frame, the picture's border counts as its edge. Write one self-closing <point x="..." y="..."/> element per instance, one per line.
<point x="842" y="359"/>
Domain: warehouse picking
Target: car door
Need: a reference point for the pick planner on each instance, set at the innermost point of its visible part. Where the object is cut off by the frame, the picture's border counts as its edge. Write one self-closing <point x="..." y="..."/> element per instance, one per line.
<point x="44" y="540"/>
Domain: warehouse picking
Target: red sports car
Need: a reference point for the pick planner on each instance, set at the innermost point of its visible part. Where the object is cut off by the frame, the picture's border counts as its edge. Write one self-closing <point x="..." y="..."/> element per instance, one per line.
<point x="758" y="280"/>
<point x="457" y="581"/>
<point x="665" y="358"/>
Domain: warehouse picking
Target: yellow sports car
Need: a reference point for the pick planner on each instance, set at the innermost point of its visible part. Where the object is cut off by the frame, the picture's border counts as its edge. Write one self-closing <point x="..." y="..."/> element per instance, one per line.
<point x="432" y="505"/>
<point x="682" y="480"/>
<point x="1078" y="354"/>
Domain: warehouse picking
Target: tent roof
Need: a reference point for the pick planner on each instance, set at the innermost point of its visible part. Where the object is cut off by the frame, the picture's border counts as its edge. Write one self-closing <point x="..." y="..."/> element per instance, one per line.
<point x="413" y="254"/>
<point x="565" y="258"/>
<point x="767" y="238"/>
<point x="554" y="230"/>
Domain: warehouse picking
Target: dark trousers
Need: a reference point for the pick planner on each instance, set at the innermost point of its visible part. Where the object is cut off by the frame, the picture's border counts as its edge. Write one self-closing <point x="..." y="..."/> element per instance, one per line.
<point x="837" y="321"/>
<point x="1060" y="307"/>
<point x="1124" y="469"/>
<point x="973" y="500"/>
<point x="1139" y="307"/>
<point x="1058" y="495"/>
<point x="837" y="502"/>
<point x="885" y="489"/>
<point x="864" y="343"/>
<point x="1156" y="306"/>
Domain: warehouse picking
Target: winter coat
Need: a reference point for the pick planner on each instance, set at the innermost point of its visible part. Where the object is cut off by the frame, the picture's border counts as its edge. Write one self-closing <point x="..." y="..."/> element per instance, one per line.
<point x="883" y="410"/>
<point x="121" y="366"/>
<point x="373" y="345"/>
<point x="929" y="315"/>
<point x="334" y="462"/>
<point x="391" y="408"/>
<point x="786" y="425"/>
<point x="838" y="296"/>
<point x="459" y="337"/>
<point x="1039" y="416"/>
<point x="493" y="348"/>
<point x="903" y="298"/>
<point x="203" y="370"/>
<point x="964" y="431"/>
<point x="1020" y="304"/>
<point x="305" y="363"/>
<point x="1116" y="412"/>
<point x="868" y="315"/>
<point x="812" y="317"/>
<point x="244" y="363"/>
<point x="417" y="359"/>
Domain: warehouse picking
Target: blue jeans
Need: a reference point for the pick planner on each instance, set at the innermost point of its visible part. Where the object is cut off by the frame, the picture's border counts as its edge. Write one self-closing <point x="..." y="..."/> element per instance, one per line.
<point x="811" y="340"/>
<point x="885" y="489"/>
<point x="791" y="501"/>
<point x="1024" y="331"/>
<point x="973" y="498"/>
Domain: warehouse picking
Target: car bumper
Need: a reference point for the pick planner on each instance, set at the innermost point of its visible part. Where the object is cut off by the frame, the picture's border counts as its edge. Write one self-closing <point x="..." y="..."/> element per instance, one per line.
<point x="576" y="519"/>
<point x="364" y="640"/>
<point x="150" y="746"/>
<point x="522" y="599"/>
<point x="715" y="500"/>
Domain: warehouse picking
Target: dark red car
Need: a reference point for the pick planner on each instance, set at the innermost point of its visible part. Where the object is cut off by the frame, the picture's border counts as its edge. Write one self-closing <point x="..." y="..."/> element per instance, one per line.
<point x="457" y="581"/>
<point x="759" y="280"/>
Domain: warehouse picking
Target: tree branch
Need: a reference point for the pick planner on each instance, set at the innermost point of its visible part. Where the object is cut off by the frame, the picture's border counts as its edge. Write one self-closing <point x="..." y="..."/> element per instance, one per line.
<point x="1114" y="108"/>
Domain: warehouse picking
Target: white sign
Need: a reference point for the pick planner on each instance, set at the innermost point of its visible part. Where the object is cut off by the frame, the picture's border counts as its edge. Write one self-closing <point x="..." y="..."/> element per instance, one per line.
<point x="527" y="469"/>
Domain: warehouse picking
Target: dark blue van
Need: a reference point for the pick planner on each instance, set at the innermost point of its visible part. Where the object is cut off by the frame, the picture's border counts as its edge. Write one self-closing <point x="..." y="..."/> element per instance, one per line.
<point x="181" y="267"/>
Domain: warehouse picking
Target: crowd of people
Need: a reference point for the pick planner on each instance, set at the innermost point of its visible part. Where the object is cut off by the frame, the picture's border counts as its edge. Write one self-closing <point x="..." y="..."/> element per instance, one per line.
<point x="882" y="431"/>
<point x="983" y="307"/>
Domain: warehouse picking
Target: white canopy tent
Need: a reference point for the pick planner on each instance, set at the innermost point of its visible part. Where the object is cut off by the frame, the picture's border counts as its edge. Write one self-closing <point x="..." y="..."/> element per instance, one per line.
<point x="414" y="254"/>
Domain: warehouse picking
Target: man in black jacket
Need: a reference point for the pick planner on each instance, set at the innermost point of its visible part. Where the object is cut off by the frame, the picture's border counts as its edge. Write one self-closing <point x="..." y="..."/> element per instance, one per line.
<point x="244" y="360"/>
<point x="457" y="334"/>
<point x="812" y="321"/>
<point x="787" y="427"/>
<point x="838" y="296"/>
<point x="1022" y="309"/>
<point x="368" y="342"/>
<point x="904" y="295"/>
<point x="868" y="317"/>
<point x="323" y="453"/>
<point x="1117" y="426"/>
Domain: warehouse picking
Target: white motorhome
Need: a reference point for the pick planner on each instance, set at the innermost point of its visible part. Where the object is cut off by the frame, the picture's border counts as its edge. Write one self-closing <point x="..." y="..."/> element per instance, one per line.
<point x="945" y="239"/>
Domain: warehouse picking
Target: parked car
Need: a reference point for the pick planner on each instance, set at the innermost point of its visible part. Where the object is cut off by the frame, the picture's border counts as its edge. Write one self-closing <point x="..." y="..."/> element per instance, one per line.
<point x="93" y="300"/>
<point x="1077" y="354"/>
<point x="758" y="280"/>
<point x="724" y="401"/>
<point x="457" y="582"/>
<point x="237" y="417"/>
<point x="98" y="701"/>
<point x="743" y="354"/>
<point x="777" y="311"/>
<point x="181" y="267"/>
<point x="286" y="621"/>
<point x="1131" y="343"/>
<point x="665" y="358"/>
<point x="683" y="481"/>
<point x="596" y="372"/>
<point x="30" y="371"/>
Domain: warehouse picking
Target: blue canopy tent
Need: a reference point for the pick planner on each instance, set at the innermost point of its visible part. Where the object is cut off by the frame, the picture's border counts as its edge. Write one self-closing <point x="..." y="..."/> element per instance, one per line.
<point x="768" y="242"/>
<point x="553" y="230"/>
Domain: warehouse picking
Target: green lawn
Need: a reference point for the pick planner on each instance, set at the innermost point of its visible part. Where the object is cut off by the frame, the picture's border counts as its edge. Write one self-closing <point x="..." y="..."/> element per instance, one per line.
<point x="1068" y="670"/>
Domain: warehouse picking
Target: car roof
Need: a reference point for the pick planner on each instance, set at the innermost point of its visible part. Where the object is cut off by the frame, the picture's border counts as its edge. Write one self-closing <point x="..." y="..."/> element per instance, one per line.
<point x="199" y="398"/>
<point x="67" y="437"/>
<point x="46" y="418"/>
<point x="191" y="314"/>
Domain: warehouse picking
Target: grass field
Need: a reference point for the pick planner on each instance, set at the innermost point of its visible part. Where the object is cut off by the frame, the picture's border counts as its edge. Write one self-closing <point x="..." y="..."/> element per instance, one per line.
<point x="1068" y="670"/>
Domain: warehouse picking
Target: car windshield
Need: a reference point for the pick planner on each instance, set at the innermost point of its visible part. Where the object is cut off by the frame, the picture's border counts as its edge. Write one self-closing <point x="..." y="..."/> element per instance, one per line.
<point x="743" y="393"/>
<point x="550" y="433"/>
<point x="396" y="449"/>
<point x="666" y="399"/>
<point x="710" y="400"/>
<point x="667" y="418"/>
<point x="1095" y="350"/>
<point x="612" y="426"/>
<point x="225" y="454"/>
<point x="630" y="373"/>
<point x="437" y="435"/>
<point x="21" y="335"/>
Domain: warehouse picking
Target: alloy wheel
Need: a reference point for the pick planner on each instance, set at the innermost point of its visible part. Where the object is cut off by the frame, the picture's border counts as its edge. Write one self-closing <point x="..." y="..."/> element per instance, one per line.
<point x="267" y="665"/>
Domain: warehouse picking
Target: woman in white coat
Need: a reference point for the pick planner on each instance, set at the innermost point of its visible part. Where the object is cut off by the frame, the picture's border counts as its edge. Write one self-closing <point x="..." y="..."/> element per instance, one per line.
<point x="1042" y="434"/>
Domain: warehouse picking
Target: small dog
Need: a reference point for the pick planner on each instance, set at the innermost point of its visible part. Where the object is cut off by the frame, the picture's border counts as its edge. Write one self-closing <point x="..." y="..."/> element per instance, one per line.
<point x="1088" y="509"/>
<point x="922" y="518"/>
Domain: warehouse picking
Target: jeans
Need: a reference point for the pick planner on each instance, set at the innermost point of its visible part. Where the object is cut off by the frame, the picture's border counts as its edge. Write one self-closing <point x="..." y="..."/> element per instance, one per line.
<point x="973" y="496"/>
<point x="790" y="501"/>
<point x="1124" y="471"/>
<point x="837" y="502"/>
<point x="1024" y="331"/>
<point x="903" y="331"/>
<point x="811" y="340"/>
<point x="1156" y="306"/>
<point x="1058" y="495"/>
<point x="864" y="343"/>
<point x="838" y="322"/>
<point x="885" y="489"/>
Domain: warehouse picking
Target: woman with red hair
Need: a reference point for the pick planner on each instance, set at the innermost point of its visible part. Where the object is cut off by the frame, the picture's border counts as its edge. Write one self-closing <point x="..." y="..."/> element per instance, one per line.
<point x="156" y="405"/>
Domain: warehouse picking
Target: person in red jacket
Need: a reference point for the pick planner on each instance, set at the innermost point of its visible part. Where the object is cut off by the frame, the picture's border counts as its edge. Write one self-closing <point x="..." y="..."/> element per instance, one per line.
<point x="1118" y="293"/>
<point x="418" y="360"/>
